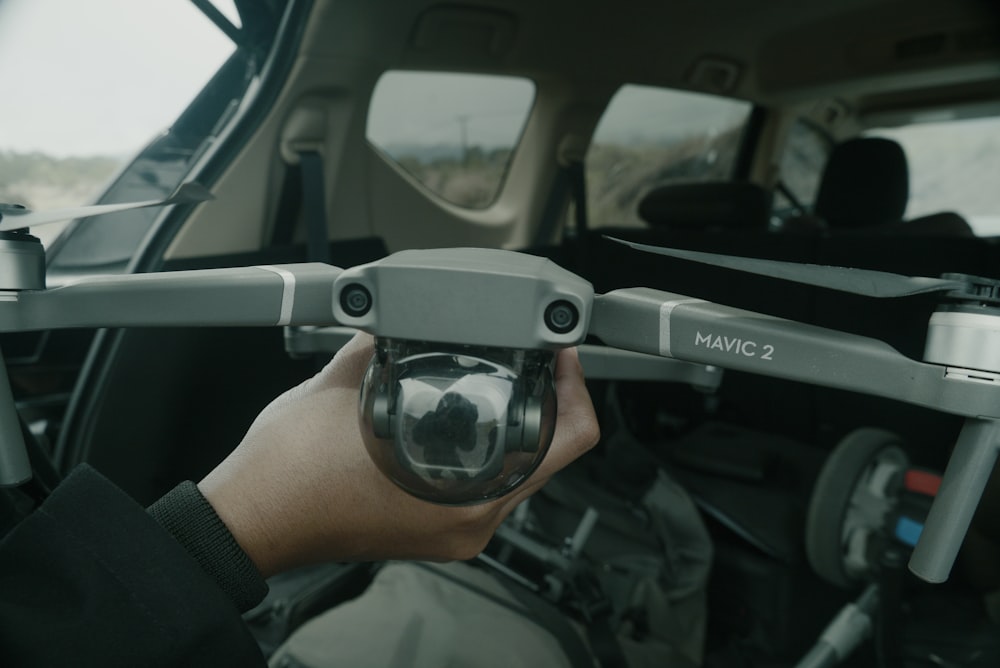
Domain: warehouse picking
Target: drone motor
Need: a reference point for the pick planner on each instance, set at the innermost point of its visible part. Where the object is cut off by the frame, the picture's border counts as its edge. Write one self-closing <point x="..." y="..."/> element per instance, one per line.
<point x="22" y="261"/>
<point x="964" y="333"/>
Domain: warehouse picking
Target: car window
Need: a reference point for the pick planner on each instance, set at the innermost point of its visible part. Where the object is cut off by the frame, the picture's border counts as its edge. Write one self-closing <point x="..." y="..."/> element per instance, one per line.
<point x="454" y="133"/>
<point x="649" y="137"/>
<point x="954" y="166"/>
<point x="89" y="84"/>
<point x="802" y="161"/>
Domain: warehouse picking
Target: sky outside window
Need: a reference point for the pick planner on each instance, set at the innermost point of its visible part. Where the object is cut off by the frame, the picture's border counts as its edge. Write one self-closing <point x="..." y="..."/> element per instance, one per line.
<point x="100" y="77"/>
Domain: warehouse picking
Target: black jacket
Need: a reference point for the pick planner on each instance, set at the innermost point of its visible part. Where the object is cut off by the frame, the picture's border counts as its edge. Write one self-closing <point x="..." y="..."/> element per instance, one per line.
<point x="91" y="578"/>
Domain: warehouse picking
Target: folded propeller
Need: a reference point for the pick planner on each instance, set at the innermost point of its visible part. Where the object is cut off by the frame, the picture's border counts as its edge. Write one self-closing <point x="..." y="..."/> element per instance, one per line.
<point x="16" y="217"/>
<point x="856" y="281"/>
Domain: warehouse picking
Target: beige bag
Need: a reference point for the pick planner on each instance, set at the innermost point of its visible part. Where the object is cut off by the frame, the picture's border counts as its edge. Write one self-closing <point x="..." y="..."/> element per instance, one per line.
<point x="652" y="573"/>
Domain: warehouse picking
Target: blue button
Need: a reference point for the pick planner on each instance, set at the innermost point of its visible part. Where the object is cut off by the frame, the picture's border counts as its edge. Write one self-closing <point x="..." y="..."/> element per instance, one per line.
<point x="908" y="531"/>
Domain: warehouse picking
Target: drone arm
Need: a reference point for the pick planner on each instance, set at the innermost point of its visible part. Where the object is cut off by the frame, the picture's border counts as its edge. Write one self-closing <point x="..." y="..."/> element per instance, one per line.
<point x="187" y="193"/>
<point x="693" y="330"/>
<point x="962" y="485"/>
<point x="294" y="294"/>
<point x="698" y="331"/>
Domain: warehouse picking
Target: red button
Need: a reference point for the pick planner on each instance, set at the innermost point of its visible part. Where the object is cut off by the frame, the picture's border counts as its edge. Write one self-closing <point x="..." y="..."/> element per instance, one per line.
<point x="922" y="482"/>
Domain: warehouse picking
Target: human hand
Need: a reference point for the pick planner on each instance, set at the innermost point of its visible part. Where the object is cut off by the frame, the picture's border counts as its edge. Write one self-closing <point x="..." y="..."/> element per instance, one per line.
<point x="301" y="488"/>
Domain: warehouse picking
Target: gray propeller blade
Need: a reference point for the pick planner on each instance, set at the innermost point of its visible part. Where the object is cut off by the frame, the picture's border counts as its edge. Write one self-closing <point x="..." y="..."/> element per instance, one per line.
<point x="13" y="217"/>
<point x="858" y="281"/>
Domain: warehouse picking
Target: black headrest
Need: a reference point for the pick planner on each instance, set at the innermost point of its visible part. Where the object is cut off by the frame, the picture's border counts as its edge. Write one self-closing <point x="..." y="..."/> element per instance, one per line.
<point x="726" y="204"/>
<point x="866" y="182"/>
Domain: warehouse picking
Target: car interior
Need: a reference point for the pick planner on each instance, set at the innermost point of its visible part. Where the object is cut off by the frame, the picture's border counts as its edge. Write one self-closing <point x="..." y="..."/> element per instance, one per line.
<point x="786" y="145"/>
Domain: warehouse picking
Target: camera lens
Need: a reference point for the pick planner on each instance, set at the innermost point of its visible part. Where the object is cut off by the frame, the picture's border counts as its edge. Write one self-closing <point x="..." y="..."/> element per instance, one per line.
<point x="461" y="426"/>
<point x="355" y="300"/>
<point x="561" y="317"/>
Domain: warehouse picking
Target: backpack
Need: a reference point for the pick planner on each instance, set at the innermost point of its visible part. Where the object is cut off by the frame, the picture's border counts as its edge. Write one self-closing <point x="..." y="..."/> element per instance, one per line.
<point x="623" y="585"/>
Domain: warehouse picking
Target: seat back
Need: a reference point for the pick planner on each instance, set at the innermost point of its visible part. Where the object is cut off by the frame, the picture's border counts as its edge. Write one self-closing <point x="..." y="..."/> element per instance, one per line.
<point x="866" y="183"/>
<point x="731" y="205"/>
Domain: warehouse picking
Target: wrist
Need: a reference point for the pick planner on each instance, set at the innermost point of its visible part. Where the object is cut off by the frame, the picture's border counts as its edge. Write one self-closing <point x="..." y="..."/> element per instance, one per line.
<point x="189" y="517"/>
<point x="245" y="523"/>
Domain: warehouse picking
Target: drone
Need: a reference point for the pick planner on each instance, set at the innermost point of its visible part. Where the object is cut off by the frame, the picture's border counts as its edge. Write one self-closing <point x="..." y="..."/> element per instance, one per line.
<point x="458" y="405"/>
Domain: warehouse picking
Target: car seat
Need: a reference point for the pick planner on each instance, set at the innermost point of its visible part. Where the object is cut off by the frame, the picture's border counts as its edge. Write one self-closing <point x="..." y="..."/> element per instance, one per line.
<point x="866" y="186"/>
<point x="866" y="183"/>
<point x="708" y="205"/>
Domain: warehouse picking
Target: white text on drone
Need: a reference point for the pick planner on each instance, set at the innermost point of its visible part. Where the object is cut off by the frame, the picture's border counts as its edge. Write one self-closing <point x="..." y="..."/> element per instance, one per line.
<point x="734" y="345"/>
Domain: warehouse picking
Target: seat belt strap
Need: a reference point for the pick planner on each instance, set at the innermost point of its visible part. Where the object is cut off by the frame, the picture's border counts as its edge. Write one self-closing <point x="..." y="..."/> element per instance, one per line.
<point x="314" y="205"/>
<point x="578" y="190"/>
<point x="555" y="206"/>
<point x="289" y="207"/>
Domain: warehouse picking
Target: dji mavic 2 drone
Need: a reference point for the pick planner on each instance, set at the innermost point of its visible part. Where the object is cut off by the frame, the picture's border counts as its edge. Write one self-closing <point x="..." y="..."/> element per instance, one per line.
<point x="457" y="406"/>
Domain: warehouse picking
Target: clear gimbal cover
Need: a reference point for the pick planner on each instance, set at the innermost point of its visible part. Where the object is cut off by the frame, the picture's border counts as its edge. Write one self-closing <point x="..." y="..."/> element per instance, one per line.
<point x="457" y="424"/>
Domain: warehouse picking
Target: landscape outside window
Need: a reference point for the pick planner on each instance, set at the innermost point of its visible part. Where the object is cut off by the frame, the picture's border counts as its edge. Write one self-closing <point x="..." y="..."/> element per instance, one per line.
<point x="454" y="133"/>
<point x="954" y="166"/>
<point x="650" y="137"/>
<point x="88" y="84"/>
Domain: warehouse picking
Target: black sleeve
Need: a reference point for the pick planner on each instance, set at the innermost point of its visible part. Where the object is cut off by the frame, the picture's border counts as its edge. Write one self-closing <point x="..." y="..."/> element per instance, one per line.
<point x="192" y="521"/>
<point x="91" y="579"/>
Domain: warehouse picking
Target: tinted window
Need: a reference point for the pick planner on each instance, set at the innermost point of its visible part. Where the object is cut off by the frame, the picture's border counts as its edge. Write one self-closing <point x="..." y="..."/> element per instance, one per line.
<point x="954" y="166"/>
<point x="454" y="133"/>
<point x="649" y="137"/>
